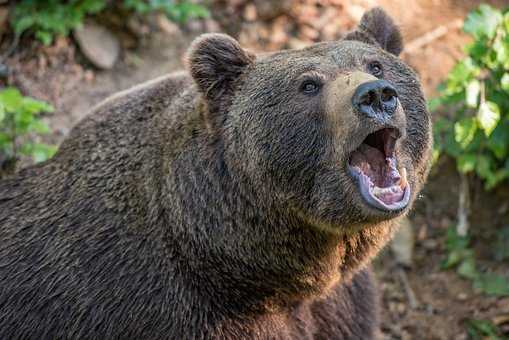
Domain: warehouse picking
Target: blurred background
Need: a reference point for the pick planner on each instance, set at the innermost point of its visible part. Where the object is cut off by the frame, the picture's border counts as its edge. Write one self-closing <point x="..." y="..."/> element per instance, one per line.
<point x="446" y="274"/>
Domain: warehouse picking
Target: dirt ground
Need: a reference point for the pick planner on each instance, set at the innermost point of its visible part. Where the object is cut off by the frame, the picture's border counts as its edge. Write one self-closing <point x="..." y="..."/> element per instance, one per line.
<point x="434" y="40"/>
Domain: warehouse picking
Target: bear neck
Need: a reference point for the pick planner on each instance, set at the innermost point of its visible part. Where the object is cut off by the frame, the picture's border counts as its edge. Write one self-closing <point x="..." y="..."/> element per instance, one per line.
<point x="248" y="254"/>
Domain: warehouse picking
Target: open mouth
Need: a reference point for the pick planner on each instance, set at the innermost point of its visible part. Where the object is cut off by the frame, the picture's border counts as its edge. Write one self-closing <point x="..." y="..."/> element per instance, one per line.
<point x="374" y="165"/>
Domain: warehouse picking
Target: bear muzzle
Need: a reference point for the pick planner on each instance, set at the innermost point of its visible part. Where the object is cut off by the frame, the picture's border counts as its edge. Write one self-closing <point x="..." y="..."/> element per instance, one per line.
<point x="376" y="99"/>
<point x="367" y="109"/>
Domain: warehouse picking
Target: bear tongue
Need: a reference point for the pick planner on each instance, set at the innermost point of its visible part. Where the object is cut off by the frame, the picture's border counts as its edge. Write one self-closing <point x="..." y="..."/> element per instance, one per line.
<point x="372" y="162"/>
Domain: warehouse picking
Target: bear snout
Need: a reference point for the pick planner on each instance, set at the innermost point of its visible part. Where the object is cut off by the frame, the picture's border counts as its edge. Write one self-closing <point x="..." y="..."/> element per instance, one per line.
<point x="376" y="99"/>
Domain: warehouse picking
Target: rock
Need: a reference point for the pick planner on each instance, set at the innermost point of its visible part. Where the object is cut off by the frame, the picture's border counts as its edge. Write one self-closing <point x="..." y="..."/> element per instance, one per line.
<point x="250" y="13"/>
<point x="402" y="245"/>
<point x="89" y="76"/>
<point x="268" y="10"/>
<point x="195" y="26"/>
<point x="98" y="44"/>
<point x="355" y="12"/>
<point x="211" y="25"/>
<point x="297" y="44"/>
<point x="462" y="296"/>
<point x="137" y="27"/>
<point x="309" y="33"/>
<point x="166" y="25"/>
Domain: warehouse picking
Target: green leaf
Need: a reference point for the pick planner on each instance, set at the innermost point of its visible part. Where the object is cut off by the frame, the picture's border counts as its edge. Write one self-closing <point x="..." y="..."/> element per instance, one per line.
<point x="506" y="21"/>
<point x="466" y="163"/>
<point x="472" y="92"/>
<point x="22" y="24"/>
<point x="464" y="131"/>
<point x="35" y="106"/>
<point x="488" y="116"/>
<point x="478" y="49"/>
<point x="2" y="112"/>
<point x="492" y="284"/>
<point x="23" y="120"/>
<point x="495" y="178"/>
<point x="467" y="269"/>
<point x="455" y="241"/>
<point x="434" y="104"/>
<point x="504" y="82"/>
<point x="40" y="127"/>
<point x="457" y="247"/>
<point x="482" y="329"/>
<point x="453" y="258"/>
<point x="500" y="48"/>
<point x="11" y="99"/>
<point x="461" y="74"/>
<point x="26" y="148"/>
<point x="435" y="155"/>
<point x="505" y="63"/>
<point x="91" y="6"/>
<point x="483" y="22"/>
<point x="45" y="37"/>
<point x="483" y="166"/>
<point x="42" y="152"/>
<point x="5" y="141"/>
<point x="498" y="142"/>
<point x="451" y="146"/>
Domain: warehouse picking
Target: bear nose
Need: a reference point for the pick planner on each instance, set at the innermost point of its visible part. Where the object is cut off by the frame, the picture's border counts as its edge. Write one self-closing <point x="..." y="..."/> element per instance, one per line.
<point x="376" y="99"/>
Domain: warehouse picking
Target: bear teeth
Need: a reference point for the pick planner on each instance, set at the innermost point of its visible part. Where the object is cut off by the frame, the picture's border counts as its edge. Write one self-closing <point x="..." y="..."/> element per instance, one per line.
<point x="395" y="189"/>
<point x="403" y="181"/>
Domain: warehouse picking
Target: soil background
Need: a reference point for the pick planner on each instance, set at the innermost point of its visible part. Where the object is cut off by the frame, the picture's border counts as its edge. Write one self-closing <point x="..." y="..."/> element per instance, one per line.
<point x="61" y="75"/>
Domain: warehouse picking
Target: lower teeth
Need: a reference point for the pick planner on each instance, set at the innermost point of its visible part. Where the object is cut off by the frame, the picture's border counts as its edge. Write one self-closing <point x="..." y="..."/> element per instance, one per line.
<point x="390" y="190"/>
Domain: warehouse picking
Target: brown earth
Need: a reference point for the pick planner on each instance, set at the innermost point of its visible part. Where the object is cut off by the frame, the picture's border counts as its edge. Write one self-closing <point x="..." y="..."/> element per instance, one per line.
<point x="432" y="31"/>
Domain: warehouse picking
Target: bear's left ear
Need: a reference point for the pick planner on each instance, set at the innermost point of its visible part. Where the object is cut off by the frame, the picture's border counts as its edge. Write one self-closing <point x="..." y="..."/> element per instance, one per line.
<point x="377" y="27"/>
<point x="216" y="61"/>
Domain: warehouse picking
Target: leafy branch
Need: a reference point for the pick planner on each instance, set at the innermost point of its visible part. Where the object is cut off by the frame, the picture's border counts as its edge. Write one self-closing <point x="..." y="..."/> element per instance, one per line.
<point x="18" y="120"/>
<point x="47" y="19"/>
<point x="477" y="92"/>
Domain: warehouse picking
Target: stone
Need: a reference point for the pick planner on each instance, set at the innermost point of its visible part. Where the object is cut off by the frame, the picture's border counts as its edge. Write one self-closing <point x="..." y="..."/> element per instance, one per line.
<point x="98" y="44"/>
<point x="166" y="25"/>
<point x="402" y="245"/>
<point x="268" y="10"/>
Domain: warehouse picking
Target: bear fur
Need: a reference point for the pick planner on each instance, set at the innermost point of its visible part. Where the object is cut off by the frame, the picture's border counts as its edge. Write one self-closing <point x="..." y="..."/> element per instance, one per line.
<point x="211" y="204"/>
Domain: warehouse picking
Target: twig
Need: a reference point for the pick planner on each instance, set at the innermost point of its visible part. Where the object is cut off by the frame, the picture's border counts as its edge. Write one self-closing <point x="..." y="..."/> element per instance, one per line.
<point x="463" y="206"/>
<point x="412" y="300"/>
<point x="430" y="36"/>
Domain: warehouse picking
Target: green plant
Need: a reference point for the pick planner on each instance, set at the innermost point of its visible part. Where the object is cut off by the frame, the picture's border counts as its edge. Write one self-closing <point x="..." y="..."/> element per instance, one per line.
<point x="483" y="329"/>
<point x="52" y="17"/>
<point x="179" y="11"/>
<point x="18" y="119"/>
<point x="477" y="93"/>
<point x="49" y="18"/>
<point x="462" y="257"/>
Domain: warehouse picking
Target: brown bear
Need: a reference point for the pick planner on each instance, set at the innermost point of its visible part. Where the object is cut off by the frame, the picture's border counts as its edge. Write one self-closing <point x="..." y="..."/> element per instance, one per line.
<point x="243" y="200"/>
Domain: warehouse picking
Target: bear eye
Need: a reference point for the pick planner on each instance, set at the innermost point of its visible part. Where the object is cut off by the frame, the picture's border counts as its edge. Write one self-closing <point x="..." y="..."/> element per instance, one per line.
<point x="310" y="87"/>
<point x="375" y="68"/>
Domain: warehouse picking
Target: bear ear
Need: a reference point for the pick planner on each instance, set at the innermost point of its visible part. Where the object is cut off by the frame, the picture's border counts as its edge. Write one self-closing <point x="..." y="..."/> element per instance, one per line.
<point x="377" y="27"/>
<point x="216" y="61"/>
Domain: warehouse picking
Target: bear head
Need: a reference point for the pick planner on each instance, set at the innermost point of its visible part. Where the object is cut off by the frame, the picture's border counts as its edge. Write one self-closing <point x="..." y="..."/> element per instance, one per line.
<point x="336" y="133"/>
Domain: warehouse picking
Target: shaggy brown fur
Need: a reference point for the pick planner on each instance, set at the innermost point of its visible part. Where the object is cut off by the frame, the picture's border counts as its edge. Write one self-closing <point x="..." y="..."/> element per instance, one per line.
<point x="211" y="206"/>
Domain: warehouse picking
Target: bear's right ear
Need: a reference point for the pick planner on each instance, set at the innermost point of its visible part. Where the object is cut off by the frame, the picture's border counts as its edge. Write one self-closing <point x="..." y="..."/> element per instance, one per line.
<point x="377" y="27"/>
<point x="216" y="61"/>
